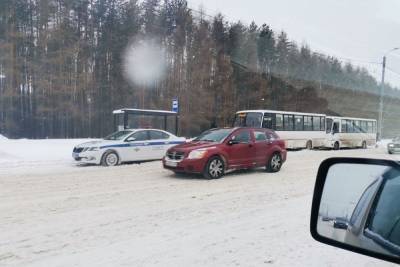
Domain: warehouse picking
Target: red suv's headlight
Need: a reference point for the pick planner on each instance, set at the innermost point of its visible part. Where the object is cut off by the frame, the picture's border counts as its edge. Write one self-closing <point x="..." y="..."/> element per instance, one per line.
<point x="197" y="154"/>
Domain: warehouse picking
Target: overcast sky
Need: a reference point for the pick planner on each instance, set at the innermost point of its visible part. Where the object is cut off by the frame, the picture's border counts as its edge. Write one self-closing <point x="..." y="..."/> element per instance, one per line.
<point x="362" y="30"/>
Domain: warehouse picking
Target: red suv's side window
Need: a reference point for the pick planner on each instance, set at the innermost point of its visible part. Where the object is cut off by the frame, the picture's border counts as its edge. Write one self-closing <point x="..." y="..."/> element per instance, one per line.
<point x="260" y="136"/>
<point x="272" y="136"/>
<point x="243" y="136"/>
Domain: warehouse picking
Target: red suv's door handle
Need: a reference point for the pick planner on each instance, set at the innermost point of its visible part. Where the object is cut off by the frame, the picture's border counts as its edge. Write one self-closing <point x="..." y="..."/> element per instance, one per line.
<point x="250" y="145"/>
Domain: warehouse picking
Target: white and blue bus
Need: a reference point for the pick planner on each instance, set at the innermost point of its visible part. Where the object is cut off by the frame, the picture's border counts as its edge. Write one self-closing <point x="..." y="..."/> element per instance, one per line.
<point x="311" y="130"/>
<point x="350" y="132"/>
<point x="299" y="130"/>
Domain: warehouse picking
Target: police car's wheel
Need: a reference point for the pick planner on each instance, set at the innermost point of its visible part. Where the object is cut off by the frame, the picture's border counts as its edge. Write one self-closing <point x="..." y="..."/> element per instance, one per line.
<point x="215" y="168"/>
<point x="110" y="158"/>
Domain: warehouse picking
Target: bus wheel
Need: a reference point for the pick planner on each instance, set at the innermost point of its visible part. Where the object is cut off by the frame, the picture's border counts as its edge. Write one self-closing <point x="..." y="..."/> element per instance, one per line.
<point x="336" y="146"/>
<point x="309" y="145"/>
<point x="364" y="145"/>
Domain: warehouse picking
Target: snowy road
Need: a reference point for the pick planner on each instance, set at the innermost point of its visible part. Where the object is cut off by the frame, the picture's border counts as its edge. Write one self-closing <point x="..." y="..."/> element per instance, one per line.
<point x="142" y="215"/>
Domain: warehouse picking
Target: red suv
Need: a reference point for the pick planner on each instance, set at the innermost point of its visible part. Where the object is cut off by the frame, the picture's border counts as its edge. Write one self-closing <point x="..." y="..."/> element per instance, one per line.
<point x="218" y="150"/>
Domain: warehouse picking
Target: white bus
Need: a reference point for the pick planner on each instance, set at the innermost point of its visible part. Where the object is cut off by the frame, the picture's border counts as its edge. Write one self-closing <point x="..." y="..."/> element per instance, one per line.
<point x="299" y="130"/>
<point x="311" y="130"/>
<point x="350" y="132"/>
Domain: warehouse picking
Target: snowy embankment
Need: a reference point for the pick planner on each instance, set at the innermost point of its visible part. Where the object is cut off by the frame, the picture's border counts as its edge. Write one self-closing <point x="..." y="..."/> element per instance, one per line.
<point x="384" y="142"/>
<point x="24" y="155"/>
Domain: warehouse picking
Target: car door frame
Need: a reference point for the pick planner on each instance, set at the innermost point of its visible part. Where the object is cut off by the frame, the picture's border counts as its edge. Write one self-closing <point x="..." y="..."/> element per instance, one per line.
<point x="245" y="154"/>
<point x="136" y="150"/>
<point x="158" y="147"/>
<point x="262" y="148"/>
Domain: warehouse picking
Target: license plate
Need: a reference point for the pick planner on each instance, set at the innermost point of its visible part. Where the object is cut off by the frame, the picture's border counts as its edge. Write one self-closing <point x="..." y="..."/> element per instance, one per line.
<point x="171" y="163"/>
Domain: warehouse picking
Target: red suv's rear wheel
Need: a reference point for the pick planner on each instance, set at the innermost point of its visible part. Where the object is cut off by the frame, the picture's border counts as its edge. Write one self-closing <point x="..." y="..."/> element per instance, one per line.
<point x="215" y="168"/>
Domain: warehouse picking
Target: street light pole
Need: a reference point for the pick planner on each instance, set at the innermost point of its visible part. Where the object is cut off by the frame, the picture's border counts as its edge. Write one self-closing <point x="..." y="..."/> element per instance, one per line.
<point x="381" y="93"/>
<point x="380" y="121"/>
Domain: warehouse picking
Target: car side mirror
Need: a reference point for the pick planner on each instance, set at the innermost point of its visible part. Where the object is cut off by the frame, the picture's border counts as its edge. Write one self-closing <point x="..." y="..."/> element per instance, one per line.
<point x="356" y="206"/>
<point x="233" y="142"/>
<point x="130" y="139"/>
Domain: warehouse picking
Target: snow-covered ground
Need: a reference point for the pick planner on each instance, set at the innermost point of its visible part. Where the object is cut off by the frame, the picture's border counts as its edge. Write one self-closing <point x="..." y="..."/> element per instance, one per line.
<point x="55" y="213"/>
<point x="46" y="155"/>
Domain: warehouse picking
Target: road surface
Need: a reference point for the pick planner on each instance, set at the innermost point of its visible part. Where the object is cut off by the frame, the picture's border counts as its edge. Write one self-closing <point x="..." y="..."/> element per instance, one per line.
<point x="142" y="215"/>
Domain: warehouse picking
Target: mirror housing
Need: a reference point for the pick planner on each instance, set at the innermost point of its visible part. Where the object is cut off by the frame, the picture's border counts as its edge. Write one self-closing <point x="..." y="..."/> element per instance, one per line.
<point x="130" y="139"/>
<point x="348" y="208"/>
<point x="232" y="142"/>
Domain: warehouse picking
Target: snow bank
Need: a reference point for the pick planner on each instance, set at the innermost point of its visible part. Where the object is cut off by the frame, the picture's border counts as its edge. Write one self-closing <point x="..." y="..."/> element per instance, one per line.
<point x="2" y="137"/>
<point x="25" y="155"/>
<point x="384" y="142"/>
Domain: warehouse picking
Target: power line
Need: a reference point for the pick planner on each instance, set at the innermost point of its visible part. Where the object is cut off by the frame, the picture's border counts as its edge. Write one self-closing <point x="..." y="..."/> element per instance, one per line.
<point x="360" y="60"/>
<point x="393" y="71"/>
<point x="325" y="54"/>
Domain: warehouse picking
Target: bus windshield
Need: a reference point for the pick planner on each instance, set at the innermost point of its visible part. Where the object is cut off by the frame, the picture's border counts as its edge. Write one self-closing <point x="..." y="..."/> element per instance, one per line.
<point x="249" y="119"/>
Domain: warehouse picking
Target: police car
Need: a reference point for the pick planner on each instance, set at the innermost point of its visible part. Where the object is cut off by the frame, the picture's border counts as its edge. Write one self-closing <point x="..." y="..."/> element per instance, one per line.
<point x="127" y="145"/>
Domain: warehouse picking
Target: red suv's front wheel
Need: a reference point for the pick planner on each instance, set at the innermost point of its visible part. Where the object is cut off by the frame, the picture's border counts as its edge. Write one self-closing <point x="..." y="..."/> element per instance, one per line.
<point x="215" y="168"/>
<point x="275" y="163"/>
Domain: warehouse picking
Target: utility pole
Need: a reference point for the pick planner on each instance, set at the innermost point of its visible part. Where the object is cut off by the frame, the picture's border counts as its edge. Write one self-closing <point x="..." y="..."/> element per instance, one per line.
<point x="380" y="121"/>
<point x="381" y="94"/>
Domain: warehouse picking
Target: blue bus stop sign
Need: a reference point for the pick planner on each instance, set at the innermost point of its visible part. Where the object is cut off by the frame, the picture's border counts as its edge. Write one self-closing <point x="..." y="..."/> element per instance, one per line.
<point x="175" y="105"/>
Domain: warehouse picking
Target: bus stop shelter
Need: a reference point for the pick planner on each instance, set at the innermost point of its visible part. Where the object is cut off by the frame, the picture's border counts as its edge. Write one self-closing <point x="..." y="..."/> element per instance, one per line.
<point x="128" y="118"/>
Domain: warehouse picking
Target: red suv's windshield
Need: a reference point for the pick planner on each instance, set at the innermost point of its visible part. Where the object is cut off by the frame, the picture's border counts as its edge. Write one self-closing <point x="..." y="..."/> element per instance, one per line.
<point x="214" y="135"/>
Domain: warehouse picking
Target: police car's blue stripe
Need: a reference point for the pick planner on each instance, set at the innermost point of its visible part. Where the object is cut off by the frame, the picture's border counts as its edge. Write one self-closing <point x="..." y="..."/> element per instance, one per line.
<point x="143" y="144"/>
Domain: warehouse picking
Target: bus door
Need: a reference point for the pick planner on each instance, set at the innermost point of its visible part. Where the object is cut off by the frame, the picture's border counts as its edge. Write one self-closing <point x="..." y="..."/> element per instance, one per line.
<point x="329" y="123"/>
<point x="335" y="127"/>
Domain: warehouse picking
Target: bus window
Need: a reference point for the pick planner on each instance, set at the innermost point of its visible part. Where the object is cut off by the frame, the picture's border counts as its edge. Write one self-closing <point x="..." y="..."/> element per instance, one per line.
<point x="298" y="123"/>
<point x="344" y="126"/>
<point x="323" y="124"/>
<point x="278" y="122"/>
<point x="308" y="123"/>
<point x="374" y="127"/>
<point x="369" y="126"/>
<point x="316" y="123"/>
<point x="268" y="121"/>
<point x="253" y="119"/>
<point x="349" y="124"/>
<point x="364" y="126"/>
<point x="288" y="122"/>
<point x="356" y="125"/>
<point x="329" y="125"/>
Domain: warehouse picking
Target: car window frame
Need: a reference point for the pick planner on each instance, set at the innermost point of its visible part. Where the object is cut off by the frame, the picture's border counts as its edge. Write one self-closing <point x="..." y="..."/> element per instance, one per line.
<point x="158" y="131"/>
<point x="235" y="134"/>
<point x="379" y="239"/>
<point x="267" y="138"/>
<point x="140" y="131"/>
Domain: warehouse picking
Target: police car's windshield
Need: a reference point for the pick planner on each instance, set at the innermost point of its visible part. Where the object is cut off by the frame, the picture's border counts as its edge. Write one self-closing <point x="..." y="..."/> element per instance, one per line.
<point x="214" y="135"/>
<point x="118" y="135"/>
